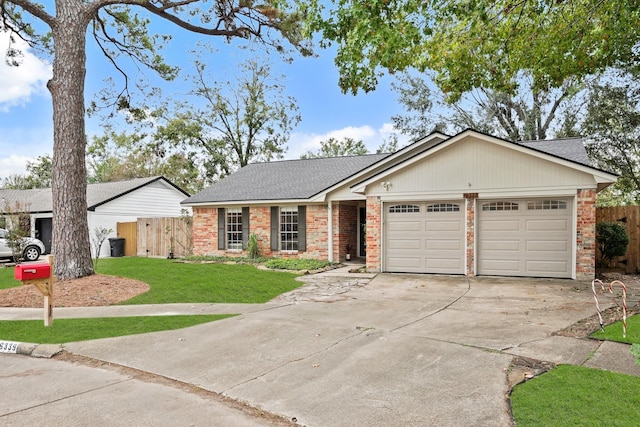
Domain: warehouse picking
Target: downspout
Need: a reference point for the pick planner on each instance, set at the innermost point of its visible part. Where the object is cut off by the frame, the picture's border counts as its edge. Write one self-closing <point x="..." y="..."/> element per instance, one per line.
<point x="329" y="230"/>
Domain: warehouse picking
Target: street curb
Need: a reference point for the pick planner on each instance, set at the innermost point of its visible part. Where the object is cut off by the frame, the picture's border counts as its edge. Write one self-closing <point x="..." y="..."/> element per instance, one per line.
<point x="45" y="351"/>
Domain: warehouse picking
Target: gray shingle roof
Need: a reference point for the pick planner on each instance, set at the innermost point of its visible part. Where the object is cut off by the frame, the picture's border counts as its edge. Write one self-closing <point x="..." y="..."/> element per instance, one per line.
<point x="302" y="179"/>
<point x="40" y="200"/>
<point x="284" y="180"/>
<point x="565" y="148"/>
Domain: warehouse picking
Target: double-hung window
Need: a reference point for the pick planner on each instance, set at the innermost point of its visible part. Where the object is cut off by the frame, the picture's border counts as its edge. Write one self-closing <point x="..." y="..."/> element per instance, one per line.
<point x="288" y="228"/>
<point x="233" y="228"/>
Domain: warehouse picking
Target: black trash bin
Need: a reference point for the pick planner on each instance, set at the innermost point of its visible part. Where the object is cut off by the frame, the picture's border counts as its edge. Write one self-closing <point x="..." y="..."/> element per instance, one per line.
<point x="117" y="246"/>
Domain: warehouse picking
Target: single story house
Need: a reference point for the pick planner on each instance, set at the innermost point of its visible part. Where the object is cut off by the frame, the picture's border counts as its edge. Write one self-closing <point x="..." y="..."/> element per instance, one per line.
<point x="107" y="204"/>
<point x="469" y="204"/>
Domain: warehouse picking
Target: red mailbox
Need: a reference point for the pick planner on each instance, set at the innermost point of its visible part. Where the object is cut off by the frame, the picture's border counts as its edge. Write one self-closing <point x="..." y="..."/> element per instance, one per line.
<point x="32" y="271"/>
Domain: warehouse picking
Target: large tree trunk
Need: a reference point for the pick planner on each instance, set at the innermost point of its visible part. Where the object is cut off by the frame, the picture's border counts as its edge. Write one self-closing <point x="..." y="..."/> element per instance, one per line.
<point x="71" y="246"/>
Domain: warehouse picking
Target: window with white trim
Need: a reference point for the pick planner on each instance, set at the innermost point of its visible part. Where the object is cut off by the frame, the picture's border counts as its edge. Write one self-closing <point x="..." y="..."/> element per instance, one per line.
<point x="500" y="206"/>
<point x="289" y="228"/>
<point x="443" y="207"/>
<point x="404" y="209"/>
<point x="545" y="205"/>
<point x="234" y="228"/>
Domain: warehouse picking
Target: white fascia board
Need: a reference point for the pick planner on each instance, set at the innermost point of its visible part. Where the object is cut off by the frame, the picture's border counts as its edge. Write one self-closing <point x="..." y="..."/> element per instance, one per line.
<point x="566" y="191"/>
<point x="420" y="197"/>
<point x="248" y="203"/>
<point x="529" y="192"/>
<point x="321" y="197"/>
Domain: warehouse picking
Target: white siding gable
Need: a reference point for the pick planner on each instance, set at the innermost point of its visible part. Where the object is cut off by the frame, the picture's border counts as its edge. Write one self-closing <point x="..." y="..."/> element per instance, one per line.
<point x="477" y="166"/>
<point x="154" y="200"/>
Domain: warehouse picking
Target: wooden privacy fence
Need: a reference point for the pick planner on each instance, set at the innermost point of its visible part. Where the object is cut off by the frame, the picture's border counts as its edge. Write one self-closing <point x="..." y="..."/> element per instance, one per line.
<point x="630" y="217"/>
<point x="129" y="232"/>
<point x="156" y="237"/>
<point x="159" y="236"/>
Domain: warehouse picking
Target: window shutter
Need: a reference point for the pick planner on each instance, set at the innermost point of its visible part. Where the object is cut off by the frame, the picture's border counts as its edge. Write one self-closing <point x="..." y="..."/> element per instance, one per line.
<point x="221" y="238"/>
<point x="302" y="228"/>
<point x="245" y="227"/>
<point x="275" y="229"/>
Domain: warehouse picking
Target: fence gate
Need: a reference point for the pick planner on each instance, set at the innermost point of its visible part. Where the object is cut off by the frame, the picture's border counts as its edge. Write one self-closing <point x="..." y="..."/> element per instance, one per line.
<point x="629" y="216"/>
<point x="128" y="231"/>
<point x="159" y="236"/>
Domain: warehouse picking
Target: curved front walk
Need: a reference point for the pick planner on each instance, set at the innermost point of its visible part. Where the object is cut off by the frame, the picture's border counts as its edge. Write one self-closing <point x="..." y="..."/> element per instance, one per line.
<point x="397" y="350"/>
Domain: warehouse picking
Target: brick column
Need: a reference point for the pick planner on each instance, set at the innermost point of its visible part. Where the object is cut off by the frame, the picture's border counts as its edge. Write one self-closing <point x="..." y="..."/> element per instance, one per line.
<point x="205" y="231"/>
<point x="586" y="234"/>
<point x="470" y="208"/>
<point x="374" y="233"/>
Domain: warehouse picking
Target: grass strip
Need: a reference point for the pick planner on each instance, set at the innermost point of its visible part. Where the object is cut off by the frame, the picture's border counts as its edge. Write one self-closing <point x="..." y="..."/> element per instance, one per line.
<point x="71" y="330"/>
<point x="576" y="396"/>
<point x="613" y="332"/>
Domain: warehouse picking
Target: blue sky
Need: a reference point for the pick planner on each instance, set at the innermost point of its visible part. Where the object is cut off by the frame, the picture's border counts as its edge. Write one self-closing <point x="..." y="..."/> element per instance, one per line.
<point x="26" y="117"/>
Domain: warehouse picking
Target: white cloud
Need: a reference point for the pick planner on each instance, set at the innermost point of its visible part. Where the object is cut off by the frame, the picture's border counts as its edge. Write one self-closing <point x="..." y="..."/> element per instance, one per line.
<point x="18" y="84"/>
<point x="13" y="164"/>
<point x="300" y="143"/>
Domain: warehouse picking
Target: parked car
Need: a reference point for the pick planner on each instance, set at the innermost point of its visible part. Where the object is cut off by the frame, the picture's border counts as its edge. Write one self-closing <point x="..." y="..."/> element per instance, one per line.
<point x="32" y="247"/>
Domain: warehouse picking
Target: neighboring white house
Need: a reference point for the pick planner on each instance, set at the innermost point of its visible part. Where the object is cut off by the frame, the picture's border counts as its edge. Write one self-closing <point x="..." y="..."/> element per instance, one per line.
<point x="107" y="204"/>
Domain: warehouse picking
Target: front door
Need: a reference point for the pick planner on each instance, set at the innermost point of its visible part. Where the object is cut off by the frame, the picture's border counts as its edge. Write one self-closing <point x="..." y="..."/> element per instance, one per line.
<point x="362" y="215"/>
<point x="44" y="230"/>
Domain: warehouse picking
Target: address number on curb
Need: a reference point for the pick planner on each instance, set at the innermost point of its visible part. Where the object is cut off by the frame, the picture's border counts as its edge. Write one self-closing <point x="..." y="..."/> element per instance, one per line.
<point x="8" y="347"/>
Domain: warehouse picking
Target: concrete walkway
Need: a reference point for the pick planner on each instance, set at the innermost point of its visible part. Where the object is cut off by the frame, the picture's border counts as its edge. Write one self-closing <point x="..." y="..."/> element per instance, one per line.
<point x="363" y="350"/>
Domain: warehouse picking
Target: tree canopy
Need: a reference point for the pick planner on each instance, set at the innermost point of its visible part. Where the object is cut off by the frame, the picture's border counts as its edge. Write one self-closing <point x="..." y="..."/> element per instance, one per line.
<point x="333" y="147"/>
<point x="480" y="44"/>
<point x="120" y="28"/>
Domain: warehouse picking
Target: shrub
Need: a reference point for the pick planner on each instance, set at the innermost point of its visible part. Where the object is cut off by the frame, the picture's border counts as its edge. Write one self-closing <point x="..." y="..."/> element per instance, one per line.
<point x="252" y="247"/>
<point x="612" y="240"/>
<point x="296" y="264"/>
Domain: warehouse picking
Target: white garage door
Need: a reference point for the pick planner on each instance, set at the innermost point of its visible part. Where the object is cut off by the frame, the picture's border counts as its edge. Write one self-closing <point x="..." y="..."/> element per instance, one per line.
<point x="525" y="237"/>
<point x="424" y="237"/>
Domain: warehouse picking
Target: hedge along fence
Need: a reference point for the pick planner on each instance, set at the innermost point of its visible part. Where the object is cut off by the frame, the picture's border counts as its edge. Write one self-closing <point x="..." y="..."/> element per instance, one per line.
<point x="630" y="217"/>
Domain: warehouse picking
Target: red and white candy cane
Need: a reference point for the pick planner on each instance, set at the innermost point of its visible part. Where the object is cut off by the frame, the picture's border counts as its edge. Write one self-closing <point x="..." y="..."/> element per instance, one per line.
<point x="624" y="305"/>
<point x="595" y="297"/>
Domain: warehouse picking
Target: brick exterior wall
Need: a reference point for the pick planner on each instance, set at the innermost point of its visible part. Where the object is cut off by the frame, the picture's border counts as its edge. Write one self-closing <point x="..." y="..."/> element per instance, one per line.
<point x="345" y="230"/>
<point x="205" y="233"/>
<point x="374" y="233"/>
<point x="586" y="235"/>
<point x="470" y="207"/>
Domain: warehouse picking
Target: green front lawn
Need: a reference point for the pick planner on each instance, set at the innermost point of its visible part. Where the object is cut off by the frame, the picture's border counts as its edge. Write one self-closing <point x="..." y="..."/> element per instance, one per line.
<point x="577" y="396"/>
<point x="70" y="330"/>
<point x="178" y="282"/>
<point x="170" y="282"/>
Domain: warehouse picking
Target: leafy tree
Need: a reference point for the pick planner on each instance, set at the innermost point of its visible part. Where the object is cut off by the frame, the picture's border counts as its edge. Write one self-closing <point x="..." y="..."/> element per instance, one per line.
<point x="612" y="126"/>
<point x="529" y="114"/>
<point x="479" y="44"/>
<point x="38" y="175"/>
<point x="116" y="156"/>
<point x="17" y="223"/>
<point x="241" y="122"/>
<point x="336" y="148"/>
<point x="119" y="30"/>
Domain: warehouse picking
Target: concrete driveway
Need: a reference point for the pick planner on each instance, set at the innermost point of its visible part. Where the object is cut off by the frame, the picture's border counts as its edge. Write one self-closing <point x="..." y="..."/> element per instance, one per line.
<point x="403" y="350"/>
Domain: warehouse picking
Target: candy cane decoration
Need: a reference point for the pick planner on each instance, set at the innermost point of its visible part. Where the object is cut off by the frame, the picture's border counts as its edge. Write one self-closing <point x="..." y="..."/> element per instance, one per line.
<point x="595" y="297"/>
<point x="624" y="305"/>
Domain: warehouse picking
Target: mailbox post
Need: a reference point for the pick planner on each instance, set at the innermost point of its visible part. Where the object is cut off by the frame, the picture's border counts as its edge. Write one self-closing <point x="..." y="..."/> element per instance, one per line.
<point x="41" y="276"/>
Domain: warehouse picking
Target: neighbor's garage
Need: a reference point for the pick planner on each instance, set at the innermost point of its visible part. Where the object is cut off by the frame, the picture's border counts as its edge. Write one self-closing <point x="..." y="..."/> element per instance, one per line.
<point x="425" y="237"/>
<point x="525" y="237"/>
